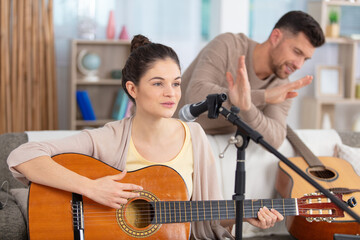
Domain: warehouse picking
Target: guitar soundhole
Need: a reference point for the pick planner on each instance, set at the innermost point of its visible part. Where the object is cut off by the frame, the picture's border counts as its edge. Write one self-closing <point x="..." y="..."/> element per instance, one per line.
<point x="322" y="173"/>
<point x="135" y="218"/>
<point x="139" y="213"/>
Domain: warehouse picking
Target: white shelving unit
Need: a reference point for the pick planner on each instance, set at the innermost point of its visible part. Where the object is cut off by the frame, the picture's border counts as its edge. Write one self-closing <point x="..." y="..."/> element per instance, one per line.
<point x="314" y="109"/>
<point x="113" y="55"/>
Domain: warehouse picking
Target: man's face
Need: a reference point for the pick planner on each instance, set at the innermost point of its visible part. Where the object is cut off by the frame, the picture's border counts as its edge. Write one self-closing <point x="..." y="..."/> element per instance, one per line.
<point x="289" y="53"/>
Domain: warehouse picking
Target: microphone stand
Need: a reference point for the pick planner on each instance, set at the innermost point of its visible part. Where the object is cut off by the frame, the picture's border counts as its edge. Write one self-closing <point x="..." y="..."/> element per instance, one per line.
<point x="214" y="102"/>
<point x="240" y="177"/>
<point x="248" y="133"/>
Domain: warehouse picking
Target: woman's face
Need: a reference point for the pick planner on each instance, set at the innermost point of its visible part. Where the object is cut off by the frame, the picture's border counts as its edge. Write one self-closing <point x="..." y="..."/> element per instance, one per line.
<point x="158" y="92"/>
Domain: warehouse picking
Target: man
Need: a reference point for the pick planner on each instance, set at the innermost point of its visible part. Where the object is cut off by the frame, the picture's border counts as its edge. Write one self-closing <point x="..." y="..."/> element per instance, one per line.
<point x="254" y="75"/>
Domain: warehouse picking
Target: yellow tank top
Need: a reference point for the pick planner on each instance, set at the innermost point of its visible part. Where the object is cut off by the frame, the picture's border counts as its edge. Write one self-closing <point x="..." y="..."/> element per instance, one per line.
<point x="183" y="162"/>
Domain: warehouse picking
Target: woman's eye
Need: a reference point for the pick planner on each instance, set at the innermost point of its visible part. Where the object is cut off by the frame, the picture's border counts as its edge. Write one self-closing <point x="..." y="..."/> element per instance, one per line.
<point x="157" y="84"/>
<point x="176" y="84"/>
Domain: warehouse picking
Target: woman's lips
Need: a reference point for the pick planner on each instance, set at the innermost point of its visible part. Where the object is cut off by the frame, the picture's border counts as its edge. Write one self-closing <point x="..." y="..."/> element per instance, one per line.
<point x="168" y="104"/>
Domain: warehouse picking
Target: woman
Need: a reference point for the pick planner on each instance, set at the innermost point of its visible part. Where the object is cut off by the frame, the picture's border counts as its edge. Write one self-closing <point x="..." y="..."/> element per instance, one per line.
<point x="151" y="78"/>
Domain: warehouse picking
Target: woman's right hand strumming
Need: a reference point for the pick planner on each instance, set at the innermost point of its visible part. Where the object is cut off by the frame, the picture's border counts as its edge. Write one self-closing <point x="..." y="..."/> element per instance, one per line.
<point x="110" y="192"/>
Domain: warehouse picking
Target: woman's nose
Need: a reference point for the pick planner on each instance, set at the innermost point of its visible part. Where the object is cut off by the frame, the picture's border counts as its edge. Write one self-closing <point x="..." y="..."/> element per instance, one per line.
<point x="169" y="90"/>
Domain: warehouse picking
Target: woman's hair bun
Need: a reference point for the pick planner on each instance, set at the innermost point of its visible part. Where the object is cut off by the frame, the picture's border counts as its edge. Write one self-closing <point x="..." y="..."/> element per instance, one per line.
<point x="138" y="41"/>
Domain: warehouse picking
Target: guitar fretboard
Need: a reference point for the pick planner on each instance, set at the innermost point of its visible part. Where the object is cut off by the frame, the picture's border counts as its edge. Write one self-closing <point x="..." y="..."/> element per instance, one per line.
<point x="191" y="211"/>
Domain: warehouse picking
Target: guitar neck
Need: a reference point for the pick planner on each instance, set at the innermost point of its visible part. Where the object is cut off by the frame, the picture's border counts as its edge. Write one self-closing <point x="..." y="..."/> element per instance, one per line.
<point x="192" y="211"/>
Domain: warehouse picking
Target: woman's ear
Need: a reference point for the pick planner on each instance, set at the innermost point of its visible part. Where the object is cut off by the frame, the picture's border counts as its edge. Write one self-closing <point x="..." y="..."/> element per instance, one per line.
<point x="131" y="88"/>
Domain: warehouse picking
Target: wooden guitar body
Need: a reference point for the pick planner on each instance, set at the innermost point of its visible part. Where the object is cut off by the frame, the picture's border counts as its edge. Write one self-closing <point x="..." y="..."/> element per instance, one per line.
<point x="335" y="174"/>
<point x="50" y="210"/>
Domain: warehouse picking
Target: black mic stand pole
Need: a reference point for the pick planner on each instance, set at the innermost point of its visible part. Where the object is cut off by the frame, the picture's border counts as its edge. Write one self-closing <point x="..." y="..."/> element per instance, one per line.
<point x="247" y="131"/>
<point x="214" y="102"/>
<point x="240" y="177"/>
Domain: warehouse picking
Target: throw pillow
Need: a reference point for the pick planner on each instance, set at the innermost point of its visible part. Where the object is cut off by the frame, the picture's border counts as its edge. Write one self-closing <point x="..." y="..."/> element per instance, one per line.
<point x="21" y="198"/>
<point x="12" y="223"/>
<point x="350" y="154"/>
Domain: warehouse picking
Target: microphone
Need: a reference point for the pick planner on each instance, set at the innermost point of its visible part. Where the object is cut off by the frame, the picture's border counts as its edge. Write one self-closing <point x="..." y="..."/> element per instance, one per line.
<point x="190" y="112"/>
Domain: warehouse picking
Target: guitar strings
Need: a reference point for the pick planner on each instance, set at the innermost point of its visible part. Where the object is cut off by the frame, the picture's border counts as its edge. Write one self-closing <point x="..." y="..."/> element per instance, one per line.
<point x="90" y="218"/>
<point x="193" y="206"/>
<point x="280" y="207"/>
<point x="201" y="208"/>
<point x="93" y="215"/>
<point x="110" y="219"/>
<point x="188" y="211"/>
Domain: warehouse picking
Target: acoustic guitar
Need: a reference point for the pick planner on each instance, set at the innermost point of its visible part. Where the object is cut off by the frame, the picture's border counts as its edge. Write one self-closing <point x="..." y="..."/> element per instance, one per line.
<point x="334" y="174"/>
<point x="161" y="212"/>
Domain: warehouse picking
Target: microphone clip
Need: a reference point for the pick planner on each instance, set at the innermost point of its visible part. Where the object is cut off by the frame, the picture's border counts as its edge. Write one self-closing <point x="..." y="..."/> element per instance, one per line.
<point x="214" y="102"/>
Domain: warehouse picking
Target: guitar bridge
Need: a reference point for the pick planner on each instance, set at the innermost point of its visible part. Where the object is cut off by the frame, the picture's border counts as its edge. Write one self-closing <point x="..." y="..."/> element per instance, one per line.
<point x="78" y="216"/>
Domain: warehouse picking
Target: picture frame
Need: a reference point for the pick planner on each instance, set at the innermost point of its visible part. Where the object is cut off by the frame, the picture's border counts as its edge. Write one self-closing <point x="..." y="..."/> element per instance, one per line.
<point x="329" y="81"/>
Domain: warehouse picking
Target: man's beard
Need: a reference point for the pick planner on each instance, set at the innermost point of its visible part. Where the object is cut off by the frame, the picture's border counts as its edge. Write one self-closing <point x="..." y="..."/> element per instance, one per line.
<point x="278" y="70"/>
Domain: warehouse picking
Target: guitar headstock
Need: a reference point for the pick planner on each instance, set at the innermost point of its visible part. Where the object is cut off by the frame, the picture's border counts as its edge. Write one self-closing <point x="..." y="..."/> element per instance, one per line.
<point x="317" y="207"/>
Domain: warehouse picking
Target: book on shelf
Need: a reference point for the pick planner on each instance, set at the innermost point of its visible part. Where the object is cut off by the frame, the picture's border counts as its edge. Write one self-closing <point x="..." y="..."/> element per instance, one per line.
<point x="85" y="106"/>
<point x="120" y="106"/>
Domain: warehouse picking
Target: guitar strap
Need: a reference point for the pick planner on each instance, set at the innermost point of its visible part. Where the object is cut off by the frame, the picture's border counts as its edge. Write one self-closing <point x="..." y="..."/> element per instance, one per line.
<point x="301" y="148"/>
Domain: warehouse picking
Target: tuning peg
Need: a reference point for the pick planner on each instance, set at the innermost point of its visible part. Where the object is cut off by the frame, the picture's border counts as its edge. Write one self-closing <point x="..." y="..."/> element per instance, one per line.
<point x="351" y="202"/>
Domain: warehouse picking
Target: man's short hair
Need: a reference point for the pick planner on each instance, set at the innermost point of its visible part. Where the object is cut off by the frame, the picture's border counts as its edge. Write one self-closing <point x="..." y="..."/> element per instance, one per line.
<point x="298" y="21"/>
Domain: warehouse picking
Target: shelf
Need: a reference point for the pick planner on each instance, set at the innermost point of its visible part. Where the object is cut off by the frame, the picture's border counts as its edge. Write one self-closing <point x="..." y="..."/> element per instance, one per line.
<point x="314" y="109"/>
<point x="341" y="3"/>
<point x="319" y="9"/>
<point x="341" y="40"/>
<point x="336" y="101"/>
<point x="100" y="82"/>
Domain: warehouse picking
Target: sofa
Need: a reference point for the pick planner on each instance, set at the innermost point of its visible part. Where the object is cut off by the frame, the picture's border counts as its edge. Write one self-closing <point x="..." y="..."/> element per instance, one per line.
<point x="261" y="168"/>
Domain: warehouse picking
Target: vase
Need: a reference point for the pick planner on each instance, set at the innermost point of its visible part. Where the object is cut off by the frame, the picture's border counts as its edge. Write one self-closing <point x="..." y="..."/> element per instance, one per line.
<point x="124" y="34"/>
<point x="326" y="122"/>
<point x="110" y="29"/>
<point x="86" y="19"/>
<point x="356" y="124"/>
<point x="357" y="91"/>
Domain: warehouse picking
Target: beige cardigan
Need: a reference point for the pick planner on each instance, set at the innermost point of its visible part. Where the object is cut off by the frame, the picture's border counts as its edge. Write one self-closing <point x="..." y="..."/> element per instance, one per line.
<point x="110" y="144"/>
<point x="206" y="75"/>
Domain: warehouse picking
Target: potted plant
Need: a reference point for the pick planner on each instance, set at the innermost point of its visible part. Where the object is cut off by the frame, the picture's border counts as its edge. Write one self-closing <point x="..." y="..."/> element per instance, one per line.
<point x="333" y="28"/>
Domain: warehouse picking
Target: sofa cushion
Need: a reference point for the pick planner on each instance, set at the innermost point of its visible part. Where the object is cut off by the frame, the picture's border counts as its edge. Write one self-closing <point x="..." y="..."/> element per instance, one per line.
<point x="351" y="139"/>
<point x="8" y="142"/>
<point x="12" y="223"/>
<point x="349" y="154"/>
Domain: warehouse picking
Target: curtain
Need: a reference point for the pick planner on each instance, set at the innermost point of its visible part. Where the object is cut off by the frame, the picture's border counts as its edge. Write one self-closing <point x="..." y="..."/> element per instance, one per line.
<point x="28" y="99"/>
